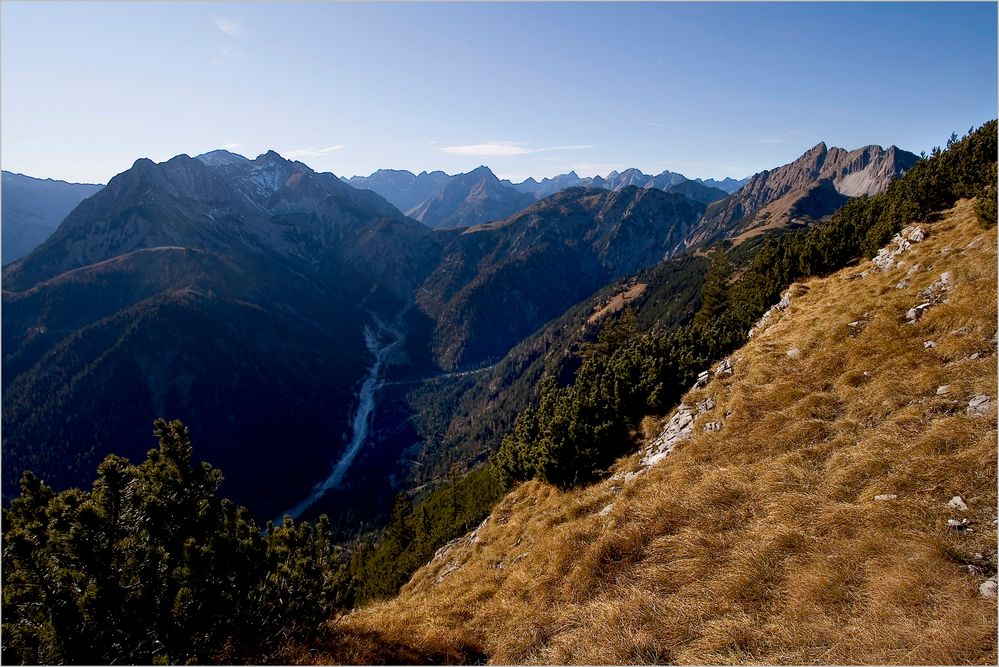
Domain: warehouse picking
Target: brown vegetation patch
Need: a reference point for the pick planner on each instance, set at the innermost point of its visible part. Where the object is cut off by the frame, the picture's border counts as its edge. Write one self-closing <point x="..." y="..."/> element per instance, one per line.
<point x="617" y="302"/>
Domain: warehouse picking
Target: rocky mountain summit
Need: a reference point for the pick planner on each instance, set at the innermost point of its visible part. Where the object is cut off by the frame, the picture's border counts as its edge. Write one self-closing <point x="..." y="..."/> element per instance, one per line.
<point x="223" y="203"/>
<point x="613" y="181"/>
<point x="810" y="188"/>
<point x="470" y="199"/>
<point x="404" y="189"/>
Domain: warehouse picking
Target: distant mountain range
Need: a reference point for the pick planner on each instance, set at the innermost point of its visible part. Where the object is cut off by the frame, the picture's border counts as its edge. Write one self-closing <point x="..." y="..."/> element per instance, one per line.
<point x="440" y="200"/>
<point x="728" y="185"/>
<point x="33" y="208"/>
<point x="243" y="296"/>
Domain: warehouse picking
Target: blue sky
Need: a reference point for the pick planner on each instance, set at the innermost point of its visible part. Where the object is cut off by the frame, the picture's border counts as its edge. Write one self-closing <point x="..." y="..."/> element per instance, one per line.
<point x="709" y="90"/>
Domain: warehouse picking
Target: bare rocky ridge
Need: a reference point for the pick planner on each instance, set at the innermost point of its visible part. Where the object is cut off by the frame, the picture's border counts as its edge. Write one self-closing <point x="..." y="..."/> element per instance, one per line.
<point x="810" y="188"/>
<point x="404" y="189"/>
<point x="470" y="199"/>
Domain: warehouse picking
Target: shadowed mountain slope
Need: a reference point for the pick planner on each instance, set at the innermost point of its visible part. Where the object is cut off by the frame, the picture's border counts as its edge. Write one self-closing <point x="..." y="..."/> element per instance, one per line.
<point x="498" y="282"/>
<point x="230" y="293"/>
<point x="33" y="208"/>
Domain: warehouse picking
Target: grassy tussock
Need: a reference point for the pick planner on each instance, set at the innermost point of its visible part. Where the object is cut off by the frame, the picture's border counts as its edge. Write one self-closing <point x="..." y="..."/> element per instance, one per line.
<point x="762" y="542"/>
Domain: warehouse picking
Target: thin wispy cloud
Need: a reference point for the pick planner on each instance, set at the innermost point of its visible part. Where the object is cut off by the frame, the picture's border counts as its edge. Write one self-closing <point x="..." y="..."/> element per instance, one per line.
<point x="313" y="152"/>
<point x="230" y="27"/>
<point x="225" y="54"/>
<point x="506" y="149"/>
<point x="230" y="147"/>
<point x="665" y="127"/>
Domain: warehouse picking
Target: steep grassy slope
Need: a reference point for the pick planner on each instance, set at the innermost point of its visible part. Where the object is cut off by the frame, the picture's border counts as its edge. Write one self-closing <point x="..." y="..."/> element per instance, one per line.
<point x="763" y="541"/>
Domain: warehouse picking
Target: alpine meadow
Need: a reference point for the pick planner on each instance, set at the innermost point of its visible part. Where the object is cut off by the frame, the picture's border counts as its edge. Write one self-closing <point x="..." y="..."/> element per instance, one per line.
<point x="535" y="333"/>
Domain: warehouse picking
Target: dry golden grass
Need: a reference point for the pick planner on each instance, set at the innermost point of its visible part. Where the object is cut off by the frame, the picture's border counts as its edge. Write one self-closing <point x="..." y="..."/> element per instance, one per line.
<point x="762" y="542"/>
<point x="617" y="302"/>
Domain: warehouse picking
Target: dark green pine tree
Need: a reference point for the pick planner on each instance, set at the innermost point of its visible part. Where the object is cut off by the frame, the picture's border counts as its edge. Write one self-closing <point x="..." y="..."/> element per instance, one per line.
<point x="151" y="566"/>
<point x="714" y="293"/>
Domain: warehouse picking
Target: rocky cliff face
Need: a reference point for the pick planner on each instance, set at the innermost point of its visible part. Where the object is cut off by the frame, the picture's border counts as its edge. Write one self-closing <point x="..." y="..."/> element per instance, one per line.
<point x="402" y="188"/>
<point x="810" y="188"/>
<point x="471" y="199"/>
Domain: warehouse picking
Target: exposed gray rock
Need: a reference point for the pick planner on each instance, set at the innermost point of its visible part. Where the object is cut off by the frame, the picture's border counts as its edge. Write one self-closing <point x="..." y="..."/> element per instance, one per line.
<point x="725" y="366"/>
<point x="702" y="379"/>
<point x="913" y="314"/>
<point x="447" y="569"/>
<point x="980" y="405"/>
<point x="885" y="496"/>
<point x="626" y="476"/>
<point x="943" y="389"/>
<point x="886" y="257"/>
<point x="679" y="428"/>
<point x="929" y="345"/>
<point x="989" y="588"/>
<point x="606" y="510"/>
<point x="957" y="502"/>
<point x="763" y="323"/>
<point x="706" y="404"/>
<point x="794" y="353"/>
<point x="937" y="291"/>
<point x="710" y="427"/>
<point x="444" y="550"/>
<point x="961" y="525"/>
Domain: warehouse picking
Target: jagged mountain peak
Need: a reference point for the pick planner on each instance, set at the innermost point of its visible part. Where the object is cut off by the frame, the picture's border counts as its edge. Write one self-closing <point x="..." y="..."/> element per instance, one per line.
<point x="220" y="157"/>
<point x="270" y="156"/>
<point x="809" y="188"/>
<point x="220" y="203"/>
<point x="480" y="171"/>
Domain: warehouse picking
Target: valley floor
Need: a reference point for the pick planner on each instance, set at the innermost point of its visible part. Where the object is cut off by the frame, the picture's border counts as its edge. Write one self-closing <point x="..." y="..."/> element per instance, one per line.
<point x="811" y="527"/>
